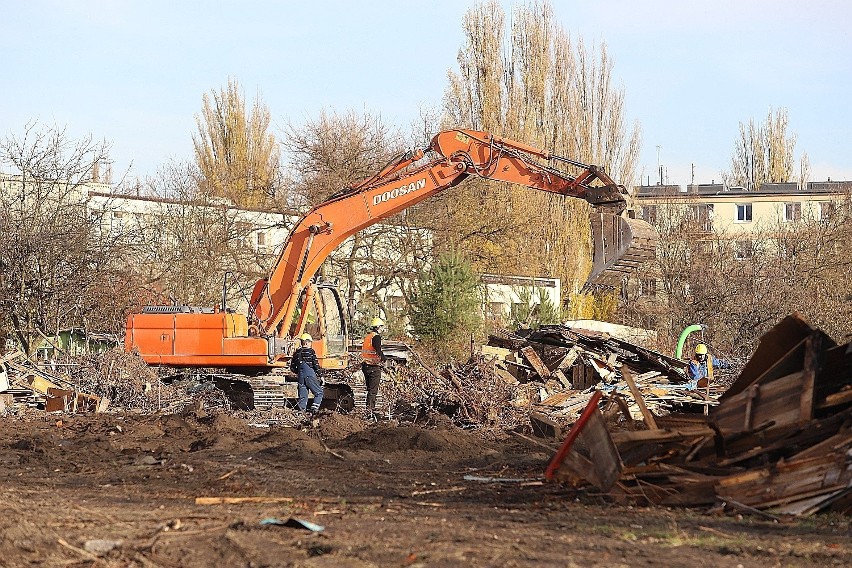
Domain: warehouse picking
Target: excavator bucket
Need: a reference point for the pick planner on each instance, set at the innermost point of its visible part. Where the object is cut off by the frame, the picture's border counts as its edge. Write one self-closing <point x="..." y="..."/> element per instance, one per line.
<point x="620" y="246"/>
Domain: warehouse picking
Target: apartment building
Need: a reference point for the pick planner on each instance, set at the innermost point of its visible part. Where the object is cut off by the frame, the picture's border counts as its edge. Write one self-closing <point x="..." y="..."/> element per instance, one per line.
<point x="711" y="212"/>
<point x="734" y="210"/>
<point x="505" y="293"/>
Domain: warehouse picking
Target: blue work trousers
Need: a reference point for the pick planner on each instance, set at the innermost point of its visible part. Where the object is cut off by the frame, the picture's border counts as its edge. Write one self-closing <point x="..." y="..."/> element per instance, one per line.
<point x="310" y="383"/>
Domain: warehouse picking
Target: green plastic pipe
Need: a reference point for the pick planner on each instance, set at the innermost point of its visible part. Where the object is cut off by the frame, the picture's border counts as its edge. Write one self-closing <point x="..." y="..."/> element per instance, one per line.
<point x="682" y="339"/>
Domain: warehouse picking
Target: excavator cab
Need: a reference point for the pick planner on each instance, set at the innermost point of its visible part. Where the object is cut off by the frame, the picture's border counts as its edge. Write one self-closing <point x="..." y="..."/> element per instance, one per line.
<point x="321" y="315"/>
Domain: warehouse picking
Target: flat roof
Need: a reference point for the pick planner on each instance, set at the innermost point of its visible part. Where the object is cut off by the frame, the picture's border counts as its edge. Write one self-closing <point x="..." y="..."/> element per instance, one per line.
<point x="766" y="190"/>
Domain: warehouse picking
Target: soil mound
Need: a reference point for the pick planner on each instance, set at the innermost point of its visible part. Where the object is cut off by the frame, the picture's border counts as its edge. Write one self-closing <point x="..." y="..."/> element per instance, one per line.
<point x="384" y="439"/>
<point x="292" y="443"/>
<point x="338" y="426"/>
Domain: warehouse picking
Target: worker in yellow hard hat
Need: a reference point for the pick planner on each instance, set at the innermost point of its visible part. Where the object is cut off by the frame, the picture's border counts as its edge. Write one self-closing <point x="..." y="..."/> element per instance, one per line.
<point x="306" y="367"/>
<point x="700" y="369"/>
<point x="371" y="361"/>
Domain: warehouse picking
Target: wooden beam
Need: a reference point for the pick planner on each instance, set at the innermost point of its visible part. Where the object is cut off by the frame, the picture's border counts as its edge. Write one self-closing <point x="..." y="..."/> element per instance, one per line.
<point x="637" y="396"/>
<point x="645" y="436"/>
<point x="813" y="362"/>
<point x="535" y="362"/>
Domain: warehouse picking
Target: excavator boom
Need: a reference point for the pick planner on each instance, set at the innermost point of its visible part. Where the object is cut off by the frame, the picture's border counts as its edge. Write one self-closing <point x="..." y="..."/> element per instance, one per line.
<point x="263" y="336"/>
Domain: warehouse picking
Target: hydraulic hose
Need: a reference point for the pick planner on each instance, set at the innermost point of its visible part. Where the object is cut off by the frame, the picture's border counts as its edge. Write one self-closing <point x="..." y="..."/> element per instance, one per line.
<point x="683" y="335"/>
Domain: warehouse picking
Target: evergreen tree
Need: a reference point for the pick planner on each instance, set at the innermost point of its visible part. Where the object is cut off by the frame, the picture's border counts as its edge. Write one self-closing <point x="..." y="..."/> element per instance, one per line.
<point x="446" y="304"/>
<point x="535" y="309"/>
<point x="548" y="312"/>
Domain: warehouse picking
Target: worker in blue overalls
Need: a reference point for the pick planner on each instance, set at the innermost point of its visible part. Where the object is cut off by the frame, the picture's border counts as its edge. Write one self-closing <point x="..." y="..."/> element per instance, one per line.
<point x="306" y="367"/>
<point x="700" y="369"/>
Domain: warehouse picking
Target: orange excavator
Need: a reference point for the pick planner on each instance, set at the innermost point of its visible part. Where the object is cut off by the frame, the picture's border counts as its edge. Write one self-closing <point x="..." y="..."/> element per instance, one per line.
<point x="290" y="301"/>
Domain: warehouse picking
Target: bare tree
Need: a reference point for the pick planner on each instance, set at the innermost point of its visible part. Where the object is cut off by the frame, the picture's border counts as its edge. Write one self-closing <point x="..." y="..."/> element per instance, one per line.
<point x="338" y="150"/>
<point x="236" y="155"/>
<point x="59" y="267"/>
<point x="545" y="89"/>
<point x="740" y="285"/>
<point x="764" y="153"/>
<point x="189" y="240"/>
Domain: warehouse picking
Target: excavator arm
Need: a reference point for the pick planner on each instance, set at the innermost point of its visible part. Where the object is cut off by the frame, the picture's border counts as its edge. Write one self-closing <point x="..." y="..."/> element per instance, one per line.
<point x="451" y="157"/>
<point x="186" y="336"/>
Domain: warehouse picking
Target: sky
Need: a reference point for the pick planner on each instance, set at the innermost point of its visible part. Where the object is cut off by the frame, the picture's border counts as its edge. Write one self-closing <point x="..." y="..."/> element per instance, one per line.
<point x="134" y="72"/>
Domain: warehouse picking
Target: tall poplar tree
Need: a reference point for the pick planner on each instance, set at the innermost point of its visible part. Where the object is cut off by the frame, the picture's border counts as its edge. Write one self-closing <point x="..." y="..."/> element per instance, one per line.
<point x="764" y="153"/>
<point x="237" y="157"/>
<point x="532" y="82"/>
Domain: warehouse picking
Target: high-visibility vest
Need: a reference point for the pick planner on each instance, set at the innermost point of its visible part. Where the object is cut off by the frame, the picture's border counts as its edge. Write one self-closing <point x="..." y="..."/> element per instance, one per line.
<point x="368" y="354"/>
<point x="708" y="364"/>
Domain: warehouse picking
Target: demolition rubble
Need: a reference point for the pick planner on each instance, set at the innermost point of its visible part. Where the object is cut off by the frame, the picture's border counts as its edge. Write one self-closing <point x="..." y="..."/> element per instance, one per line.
<point x="778" y="441"/>
<point x="25" y="384"/>
<point x="775" y="440"/>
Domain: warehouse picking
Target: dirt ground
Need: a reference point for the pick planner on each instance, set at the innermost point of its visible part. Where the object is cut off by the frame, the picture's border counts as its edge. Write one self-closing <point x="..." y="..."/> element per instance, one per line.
<point x="120" y="490"/>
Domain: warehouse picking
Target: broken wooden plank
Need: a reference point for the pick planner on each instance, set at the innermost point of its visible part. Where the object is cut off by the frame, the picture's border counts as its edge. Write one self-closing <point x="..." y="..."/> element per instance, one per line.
<point x="836" y="399"/>
<point x="497" y="352"/>
<point x="583" y="376"/>
<point x="545" y="427"/>
<point x="812" y="364"/>
<point x="779" y="353"/>
<point x="588" y="450"/>
<point x="786" y="482"/>
<point x="558" y="399"/>
<point x="563" y="380"/>
<point x="661" y="435"/>
<point x="535" y="362"/>
<point x="505" y="375"/>
<point x="778" y="401"/>
<point x="637" y="396"/>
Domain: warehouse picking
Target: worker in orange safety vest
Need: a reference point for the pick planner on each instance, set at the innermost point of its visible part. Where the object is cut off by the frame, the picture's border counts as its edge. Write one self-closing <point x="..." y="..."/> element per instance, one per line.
<point x="371" y="361"/>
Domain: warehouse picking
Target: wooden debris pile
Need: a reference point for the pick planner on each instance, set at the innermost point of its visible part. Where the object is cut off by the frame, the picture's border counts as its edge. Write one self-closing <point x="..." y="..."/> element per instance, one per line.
<point x="571" y="364"/>
<point x="546" y="377"/>
<point x="23" y="383"/>
<point x="779" y="441"/>
<point x="113" y="380"/>
<point x="470" y="393"/>
<point x="131" y="384"/>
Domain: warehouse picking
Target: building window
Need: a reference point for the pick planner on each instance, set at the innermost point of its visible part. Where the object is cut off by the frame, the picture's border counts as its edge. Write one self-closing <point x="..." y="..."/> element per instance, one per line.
<point x="117" y="225"/>
<point x="396" y="304"/>
<point x="261" y="240"/>
<point x="705" y="247"/>
<point x="743" y="250"/>
<point x="649" y="213"/>
<point x="792" y="212"/>
<point x="495" y="311"/>
<point x="743" y="213"/>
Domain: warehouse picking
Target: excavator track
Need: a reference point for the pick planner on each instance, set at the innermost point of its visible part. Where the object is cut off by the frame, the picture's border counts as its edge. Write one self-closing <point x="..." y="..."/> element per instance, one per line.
<point x="265" y="392"/>
<point x="621" y="246"/>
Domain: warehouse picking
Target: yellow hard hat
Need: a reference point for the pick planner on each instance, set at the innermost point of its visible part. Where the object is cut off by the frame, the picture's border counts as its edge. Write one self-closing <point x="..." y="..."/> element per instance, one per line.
<point x="306" y="337"/>
<point x="701" y="349"/>
<point x="376" y="322"/>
